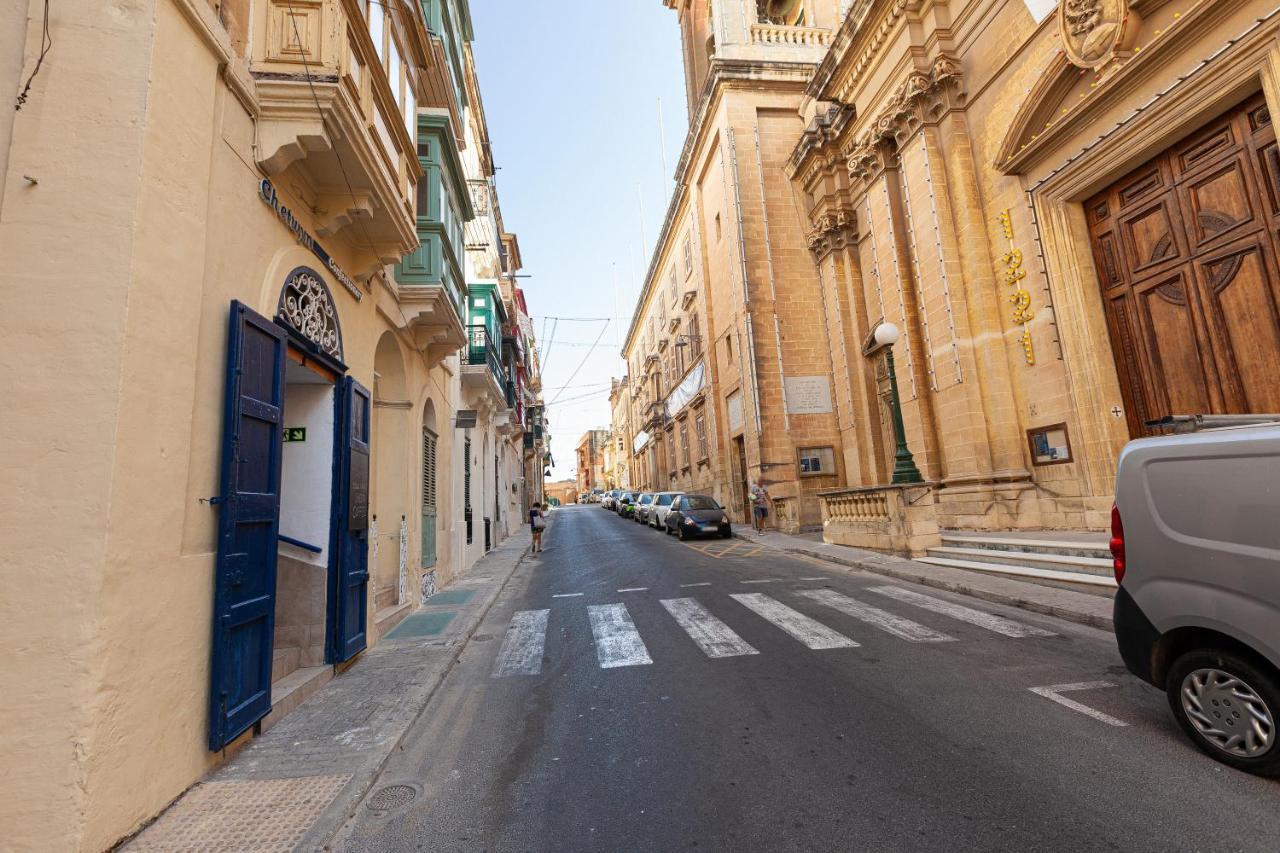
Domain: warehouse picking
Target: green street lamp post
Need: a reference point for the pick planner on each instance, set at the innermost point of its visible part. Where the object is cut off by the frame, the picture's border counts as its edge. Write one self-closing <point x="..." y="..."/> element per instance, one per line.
<point x="904" y="464"/>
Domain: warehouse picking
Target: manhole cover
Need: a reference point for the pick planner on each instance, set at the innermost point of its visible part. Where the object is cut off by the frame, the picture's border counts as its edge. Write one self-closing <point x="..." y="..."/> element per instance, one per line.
<point x="392" y="797"/>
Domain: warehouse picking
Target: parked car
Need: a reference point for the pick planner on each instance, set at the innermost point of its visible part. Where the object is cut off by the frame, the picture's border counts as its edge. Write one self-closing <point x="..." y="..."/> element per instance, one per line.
<point x="1196" y="549"/>
<point x="697" y="515"/>
<point x="626" y="504"/>
<point x="609" y="499"/>
<point x="642" y="507"/>
<point x="657" y="515"/>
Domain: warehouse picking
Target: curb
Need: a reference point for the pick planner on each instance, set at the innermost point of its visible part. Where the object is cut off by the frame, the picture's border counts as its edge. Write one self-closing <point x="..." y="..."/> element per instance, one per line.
<point x="925" y="579"/>
<point x="315" y="837"/>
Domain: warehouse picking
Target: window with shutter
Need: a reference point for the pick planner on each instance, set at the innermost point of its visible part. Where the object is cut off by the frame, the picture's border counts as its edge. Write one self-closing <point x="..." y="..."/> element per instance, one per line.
<point x="428" y="470"/>
<point x="466" y="487"/>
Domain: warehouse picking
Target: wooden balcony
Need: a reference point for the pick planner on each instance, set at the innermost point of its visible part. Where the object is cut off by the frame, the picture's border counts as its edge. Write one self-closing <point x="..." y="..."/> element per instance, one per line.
<point x="329" y="123"/>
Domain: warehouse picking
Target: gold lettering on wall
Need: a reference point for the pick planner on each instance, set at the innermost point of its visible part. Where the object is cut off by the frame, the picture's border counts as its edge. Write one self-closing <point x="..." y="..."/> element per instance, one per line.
<point x="1014" y="275"/>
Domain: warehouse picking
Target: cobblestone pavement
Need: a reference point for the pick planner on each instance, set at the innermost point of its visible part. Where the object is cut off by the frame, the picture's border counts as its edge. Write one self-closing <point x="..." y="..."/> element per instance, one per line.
<point x="291" y="787"/>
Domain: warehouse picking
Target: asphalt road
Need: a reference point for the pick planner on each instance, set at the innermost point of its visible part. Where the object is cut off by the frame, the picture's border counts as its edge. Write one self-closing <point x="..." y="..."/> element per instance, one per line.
<point x="881" y="724"/>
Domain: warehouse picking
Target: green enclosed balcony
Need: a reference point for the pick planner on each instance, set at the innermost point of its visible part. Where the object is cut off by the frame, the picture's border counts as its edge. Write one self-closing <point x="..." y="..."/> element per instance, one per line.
<point x="482" y="371"/>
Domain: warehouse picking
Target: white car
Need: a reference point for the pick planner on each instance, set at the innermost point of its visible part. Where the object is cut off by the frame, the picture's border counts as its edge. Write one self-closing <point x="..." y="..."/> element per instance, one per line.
<point x="658" y="510"/>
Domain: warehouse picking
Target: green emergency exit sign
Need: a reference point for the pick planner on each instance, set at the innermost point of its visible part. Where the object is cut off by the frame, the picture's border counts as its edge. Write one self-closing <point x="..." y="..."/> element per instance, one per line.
<point x="295" y="433"/>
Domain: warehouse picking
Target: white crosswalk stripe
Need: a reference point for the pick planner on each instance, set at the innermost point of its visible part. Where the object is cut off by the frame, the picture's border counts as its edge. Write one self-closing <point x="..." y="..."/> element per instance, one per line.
<point x="882" y="619"/>
<point x="522" y="649"/>
<point x="714" y="637"/>
<point x="618" y="643"/>
<point x="990" y="621"/>
<point x="811" y="632"/>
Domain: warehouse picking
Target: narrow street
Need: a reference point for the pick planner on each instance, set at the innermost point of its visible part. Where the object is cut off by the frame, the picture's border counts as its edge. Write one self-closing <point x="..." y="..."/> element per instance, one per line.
<point x="715" y="695"/>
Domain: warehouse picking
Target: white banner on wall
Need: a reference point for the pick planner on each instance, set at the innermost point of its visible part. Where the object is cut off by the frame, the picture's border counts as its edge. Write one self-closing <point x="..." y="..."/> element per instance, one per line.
<point x="808" y="395"/>
<point x="641" y="439"/>
<point x="685" y="391"/>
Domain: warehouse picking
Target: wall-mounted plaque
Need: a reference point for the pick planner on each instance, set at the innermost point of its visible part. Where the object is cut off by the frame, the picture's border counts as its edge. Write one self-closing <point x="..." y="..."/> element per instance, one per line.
<point x="808" y="395"/>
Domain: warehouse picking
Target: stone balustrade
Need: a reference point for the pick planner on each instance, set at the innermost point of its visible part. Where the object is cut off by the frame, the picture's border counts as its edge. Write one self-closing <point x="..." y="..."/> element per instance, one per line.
<point x="897" y="519"/>
<point x="773" y="34"/>
<point x="856" y="506"/>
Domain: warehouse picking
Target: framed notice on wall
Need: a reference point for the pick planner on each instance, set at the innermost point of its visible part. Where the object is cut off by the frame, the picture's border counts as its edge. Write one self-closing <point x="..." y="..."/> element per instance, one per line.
<point x="1050" y="445"/>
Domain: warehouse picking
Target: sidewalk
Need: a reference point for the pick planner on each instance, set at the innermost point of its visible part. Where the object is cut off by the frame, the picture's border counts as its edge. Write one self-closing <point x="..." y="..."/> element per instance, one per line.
<point x="1085" y="608"/>
<point x="291" y="788"/>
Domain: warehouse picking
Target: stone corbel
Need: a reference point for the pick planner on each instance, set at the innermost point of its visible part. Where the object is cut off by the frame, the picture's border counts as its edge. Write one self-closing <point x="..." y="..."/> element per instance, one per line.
<point x="338" y="210"/>
<point x="833" y="230"/>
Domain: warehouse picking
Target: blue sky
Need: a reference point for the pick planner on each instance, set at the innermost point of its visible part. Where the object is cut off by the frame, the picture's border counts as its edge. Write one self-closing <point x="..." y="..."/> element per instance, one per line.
<point x="571" y="93"/>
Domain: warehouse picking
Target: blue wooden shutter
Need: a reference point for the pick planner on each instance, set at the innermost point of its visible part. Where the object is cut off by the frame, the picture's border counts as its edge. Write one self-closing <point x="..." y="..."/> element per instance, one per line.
<point x="248" y="522"/>
<point x="351" y="522"/>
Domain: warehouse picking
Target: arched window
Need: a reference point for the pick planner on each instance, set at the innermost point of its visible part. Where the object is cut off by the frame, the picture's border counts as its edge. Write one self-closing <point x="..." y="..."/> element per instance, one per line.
<point x="306" y="305"/>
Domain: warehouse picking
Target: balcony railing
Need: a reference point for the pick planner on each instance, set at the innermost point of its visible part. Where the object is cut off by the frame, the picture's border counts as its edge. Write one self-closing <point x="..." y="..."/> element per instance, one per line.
<point x="481" y="350"/>
<point x="800" y="36"/>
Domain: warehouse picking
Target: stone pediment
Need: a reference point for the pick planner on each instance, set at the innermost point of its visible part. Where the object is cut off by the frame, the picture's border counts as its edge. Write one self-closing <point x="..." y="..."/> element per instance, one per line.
<point x="1107" y="51"/>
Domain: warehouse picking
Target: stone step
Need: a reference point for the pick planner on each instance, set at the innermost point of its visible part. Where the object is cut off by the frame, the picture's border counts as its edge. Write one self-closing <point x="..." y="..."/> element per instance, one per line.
<point x="1075" y="547"/>
<point x="1028" y="559"/>
<point x="1021" y="571"/>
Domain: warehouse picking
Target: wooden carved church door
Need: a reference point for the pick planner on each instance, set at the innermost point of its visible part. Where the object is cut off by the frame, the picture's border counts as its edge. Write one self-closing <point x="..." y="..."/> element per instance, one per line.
<point x="1185" y="249"/>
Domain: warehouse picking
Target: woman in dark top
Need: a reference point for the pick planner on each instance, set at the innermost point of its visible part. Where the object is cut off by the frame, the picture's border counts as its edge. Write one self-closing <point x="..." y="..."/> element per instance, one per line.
<point x="537" y="523"/>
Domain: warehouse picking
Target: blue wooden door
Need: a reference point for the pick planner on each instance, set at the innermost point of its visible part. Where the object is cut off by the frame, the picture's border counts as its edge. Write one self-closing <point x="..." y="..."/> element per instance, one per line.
<point x="248" y="522"/>
<point x="351" y="523"/>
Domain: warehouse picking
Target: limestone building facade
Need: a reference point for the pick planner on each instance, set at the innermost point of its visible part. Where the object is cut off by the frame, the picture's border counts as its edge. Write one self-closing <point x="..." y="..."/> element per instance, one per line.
<point x="251" y="426"/>
<point x="1063" y="208"/>
<point x="728" y="363"/>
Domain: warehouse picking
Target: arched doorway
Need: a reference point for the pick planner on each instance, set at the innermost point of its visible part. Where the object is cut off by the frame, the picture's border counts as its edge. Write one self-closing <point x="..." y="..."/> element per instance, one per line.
<point x="391" y="477"/>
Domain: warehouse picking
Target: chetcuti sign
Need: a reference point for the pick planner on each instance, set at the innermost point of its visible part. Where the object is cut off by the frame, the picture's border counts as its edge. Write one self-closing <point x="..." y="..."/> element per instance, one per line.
<point x="267" y="192"/>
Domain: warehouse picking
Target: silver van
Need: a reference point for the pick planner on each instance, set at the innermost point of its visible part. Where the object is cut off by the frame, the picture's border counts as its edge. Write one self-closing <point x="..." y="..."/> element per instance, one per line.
<point x="1196" y="543"/>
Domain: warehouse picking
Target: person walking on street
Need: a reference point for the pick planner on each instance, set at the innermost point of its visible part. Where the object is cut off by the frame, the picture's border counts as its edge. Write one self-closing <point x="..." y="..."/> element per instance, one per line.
<point x="759" y="504"/>
<point x="537" y="523"/>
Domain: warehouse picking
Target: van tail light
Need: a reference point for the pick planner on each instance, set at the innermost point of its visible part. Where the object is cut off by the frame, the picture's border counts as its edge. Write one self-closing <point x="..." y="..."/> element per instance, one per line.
<point x="1117" y="543"/>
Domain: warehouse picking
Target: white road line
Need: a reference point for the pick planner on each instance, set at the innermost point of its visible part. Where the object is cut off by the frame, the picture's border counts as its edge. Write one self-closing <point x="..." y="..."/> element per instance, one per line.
<point x="811" y="632"/>
<point x="634" y="589"/>
<point x="522" y="649"/>
<point x="567" y="595"/>
<point x="766" y="580"/>
<point x="618" y="642"/>
<point x="696" y="584"/>
<point x="991" y="622"/>
<point x="813" y="579"/>
<point x="1052" y="691"/>
<point x="714" y="637"/>
<point x="882" y="619"/>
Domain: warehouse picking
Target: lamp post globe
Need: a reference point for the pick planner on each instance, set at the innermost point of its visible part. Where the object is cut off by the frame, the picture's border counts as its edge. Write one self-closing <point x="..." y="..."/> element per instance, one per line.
<point x="886" y="334"/>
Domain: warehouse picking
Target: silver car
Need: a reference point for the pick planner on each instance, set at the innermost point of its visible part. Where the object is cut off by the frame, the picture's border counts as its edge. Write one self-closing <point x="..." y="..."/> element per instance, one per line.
<point x="656" y="517"/>
<point x="1196" y="543"/>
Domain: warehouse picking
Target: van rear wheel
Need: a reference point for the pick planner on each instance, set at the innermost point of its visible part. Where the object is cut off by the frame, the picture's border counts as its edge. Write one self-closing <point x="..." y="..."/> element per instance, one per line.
<point x="1227" y="705"/>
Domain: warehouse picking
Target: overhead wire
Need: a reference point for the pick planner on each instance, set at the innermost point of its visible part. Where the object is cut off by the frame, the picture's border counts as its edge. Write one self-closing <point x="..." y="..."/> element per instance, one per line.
<point x="46" y="45"/>
<point x="585" y="358"/>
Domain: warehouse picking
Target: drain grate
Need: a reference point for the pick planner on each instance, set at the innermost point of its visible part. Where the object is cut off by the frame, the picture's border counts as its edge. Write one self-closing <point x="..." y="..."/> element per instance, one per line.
<point x="392" y="797"/>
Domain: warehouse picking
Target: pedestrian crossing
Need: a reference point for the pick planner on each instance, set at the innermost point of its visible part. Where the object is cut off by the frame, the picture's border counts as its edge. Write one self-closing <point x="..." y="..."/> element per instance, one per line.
<point x="618" y="642"/>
